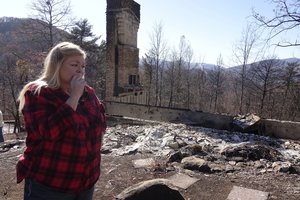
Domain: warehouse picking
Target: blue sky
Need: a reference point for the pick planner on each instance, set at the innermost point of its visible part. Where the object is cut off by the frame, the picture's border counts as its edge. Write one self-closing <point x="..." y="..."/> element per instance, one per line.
<point x="211" y="26"/>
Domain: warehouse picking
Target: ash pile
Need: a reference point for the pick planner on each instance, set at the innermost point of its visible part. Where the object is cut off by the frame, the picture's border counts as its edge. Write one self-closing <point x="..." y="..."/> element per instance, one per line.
<point x="204" y="149"/>
<point x="196" y="148"/>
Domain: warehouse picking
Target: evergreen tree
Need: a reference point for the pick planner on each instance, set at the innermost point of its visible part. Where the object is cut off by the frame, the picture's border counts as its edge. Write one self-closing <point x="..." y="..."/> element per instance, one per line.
<point x="82" y="35"/>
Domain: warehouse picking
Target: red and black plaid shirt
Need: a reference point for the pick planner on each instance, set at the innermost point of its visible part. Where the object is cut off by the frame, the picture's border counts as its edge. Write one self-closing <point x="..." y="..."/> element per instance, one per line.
<point x="63" y="145"/>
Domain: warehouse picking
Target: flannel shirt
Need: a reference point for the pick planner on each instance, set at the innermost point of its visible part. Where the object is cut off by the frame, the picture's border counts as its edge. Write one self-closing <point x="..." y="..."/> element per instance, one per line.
<point x="62" y="145"/>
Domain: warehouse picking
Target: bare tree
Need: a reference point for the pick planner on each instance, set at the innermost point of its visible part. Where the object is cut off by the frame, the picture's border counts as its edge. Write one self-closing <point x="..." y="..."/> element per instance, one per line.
<point x="289" y="87"/>
<point x="22" y="72"/>
<point x="52" y="17"/>
<point x="189" y="68"/>
<point x="243" y="53"/>
<point x="170" y="78"/>
<point x="148" y="63"/>
<point x="265" y="78"/>
<point x="200" y="81"/>
<point x="286" y="18"/>
<point x="18" y="63"/>
<point x="216" y="79"/>
<point x="295" y="105"/>
<point x="157" y="53"/>
<point x="180" y="59"/>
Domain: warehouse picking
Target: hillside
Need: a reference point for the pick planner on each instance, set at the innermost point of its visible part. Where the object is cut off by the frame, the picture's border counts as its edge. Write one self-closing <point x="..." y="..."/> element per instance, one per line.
<point x="10" y="24"/>
<point x="283" y="63"/>
<point x="15" y="30"/>
<point x="26" y="34"/>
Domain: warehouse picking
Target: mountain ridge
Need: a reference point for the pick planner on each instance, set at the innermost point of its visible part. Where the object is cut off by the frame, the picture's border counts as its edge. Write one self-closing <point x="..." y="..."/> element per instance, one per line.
<point x="10" y="24"/>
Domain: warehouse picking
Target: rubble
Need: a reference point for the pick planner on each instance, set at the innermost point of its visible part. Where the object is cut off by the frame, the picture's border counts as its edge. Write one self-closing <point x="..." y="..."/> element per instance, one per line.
<point x="218" y="150"/>
<point x="204" y="149"/>
<point x="245" y="121"/>
<point x="170" y="148"/>
<point x="7" y="145"/>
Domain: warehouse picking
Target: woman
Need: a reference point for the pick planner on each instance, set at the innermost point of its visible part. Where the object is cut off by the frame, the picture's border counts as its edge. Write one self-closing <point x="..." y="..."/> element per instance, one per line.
<point x="65" y="123"/>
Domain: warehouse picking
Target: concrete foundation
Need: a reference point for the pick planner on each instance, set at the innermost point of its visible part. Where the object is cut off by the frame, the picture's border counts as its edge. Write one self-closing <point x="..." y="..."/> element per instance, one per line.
<point x="269" y="127"/>
<point x="280" y="129"/>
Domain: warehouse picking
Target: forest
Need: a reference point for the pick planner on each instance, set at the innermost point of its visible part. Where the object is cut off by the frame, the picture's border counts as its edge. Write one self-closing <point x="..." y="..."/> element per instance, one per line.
<point x="258" y="83"/>
<point x="269" y="88"/>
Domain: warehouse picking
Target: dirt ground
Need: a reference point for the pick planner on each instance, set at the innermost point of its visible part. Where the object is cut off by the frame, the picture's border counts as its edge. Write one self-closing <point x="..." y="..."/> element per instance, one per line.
<point x="118" y="173"/>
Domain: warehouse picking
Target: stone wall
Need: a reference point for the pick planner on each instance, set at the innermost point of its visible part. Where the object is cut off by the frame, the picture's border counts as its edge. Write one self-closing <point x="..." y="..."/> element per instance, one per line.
<point x="269" y="127"/>
<point x="209" y="120"/>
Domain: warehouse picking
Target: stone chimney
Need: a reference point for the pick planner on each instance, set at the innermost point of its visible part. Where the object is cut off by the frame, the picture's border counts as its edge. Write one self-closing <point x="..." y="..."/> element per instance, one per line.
<point x="122" y="24"/>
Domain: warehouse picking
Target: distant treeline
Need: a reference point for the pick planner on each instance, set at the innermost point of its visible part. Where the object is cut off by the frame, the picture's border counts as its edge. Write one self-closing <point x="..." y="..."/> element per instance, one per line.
<point x="271" y="88"/>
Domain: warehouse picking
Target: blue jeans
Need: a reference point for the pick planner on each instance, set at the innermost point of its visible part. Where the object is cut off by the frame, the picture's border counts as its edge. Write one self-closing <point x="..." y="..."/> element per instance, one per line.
<point x="1" y="135"/>
<point x="36" y="191"/>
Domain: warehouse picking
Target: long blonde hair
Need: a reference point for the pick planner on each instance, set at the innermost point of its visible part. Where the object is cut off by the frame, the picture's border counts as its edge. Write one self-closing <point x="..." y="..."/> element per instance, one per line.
<point x="53" y="61"/>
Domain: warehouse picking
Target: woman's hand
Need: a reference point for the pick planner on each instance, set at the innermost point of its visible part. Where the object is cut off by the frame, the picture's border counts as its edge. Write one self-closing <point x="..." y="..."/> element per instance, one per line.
<point x="77" y="87"/>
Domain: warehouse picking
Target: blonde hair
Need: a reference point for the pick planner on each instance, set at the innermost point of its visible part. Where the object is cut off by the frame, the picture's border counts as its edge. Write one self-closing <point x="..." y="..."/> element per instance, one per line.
<point x="53" y="61"/>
